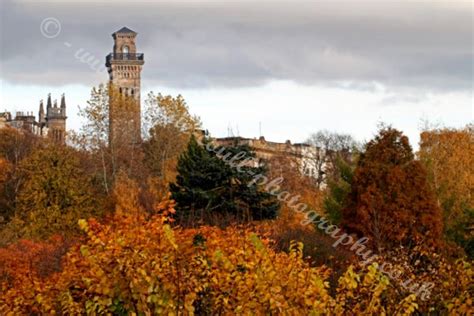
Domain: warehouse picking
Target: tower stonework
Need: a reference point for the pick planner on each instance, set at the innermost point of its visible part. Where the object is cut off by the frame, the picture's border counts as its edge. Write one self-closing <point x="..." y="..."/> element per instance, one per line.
<point x="124" y="65"/>
<point x="55" y="119"/>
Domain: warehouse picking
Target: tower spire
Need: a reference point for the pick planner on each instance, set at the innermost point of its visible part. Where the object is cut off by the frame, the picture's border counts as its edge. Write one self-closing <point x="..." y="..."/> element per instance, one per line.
<point x="48" y="104"/>
<point x="63" y="105"/>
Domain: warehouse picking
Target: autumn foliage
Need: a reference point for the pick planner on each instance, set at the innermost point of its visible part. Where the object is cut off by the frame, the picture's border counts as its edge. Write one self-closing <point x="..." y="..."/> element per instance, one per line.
<point x="25" y="264"/>
<point x="448" y="155"/>
<point x="5" y="169"/>
<point x="14" y="147"/>
<point x="139" y="264"/>
<point x="391" y="201"/>
<point x="54" y="194"/>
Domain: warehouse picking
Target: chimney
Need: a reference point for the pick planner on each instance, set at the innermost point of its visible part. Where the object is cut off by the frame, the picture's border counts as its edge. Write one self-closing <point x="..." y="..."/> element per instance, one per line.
<point x="41" y="112"/>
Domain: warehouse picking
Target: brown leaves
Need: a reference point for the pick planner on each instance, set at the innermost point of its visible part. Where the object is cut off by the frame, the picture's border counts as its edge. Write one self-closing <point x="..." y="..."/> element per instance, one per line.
<point x="135" y="265"/>
<point x="391" y="202"/>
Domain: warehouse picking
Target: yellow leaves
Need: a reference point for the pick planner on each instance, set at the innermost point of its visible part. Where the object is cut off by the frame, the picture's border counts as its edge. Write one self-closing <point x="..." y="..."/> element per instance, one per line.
<point x="296" y="249"/>
<point x="256" y="242"/>
<point x="448" y="155"/>
<point x="374" y="275"/>
<point x="350" y="279"/>
<point x="83" y="224"/>
<point x="170" y="236"/>
<point x="145" y="267"/>
<point x="84" y="251"/>
<point x="407" y="306"/>
<point x="170" y="125"/>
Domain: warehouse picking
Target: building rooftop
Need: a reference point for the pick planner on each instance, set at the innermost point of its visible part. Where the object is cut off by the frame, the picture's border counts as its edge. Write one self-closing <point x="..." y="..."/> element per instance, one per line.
<point x="125" y="30"/>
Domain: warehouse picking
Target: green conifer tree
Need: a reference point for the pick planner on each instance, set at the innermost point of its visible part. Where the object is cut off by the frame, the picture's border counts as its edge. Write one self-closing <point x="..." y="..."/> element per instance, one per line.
<point x="211" y="185"/>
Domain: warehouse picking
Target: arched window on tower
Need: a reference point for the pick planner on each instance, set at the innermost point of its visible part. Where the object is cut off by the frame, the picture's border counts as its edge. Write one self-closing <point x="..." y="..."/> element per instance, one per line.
<point x="125" y="52"/>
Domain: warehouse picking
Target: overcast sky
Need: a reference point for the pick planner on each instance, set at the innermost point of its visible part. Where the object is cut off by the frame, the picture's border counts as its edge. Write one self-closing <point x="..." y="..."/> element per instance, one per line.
<point x="294" y="67"/>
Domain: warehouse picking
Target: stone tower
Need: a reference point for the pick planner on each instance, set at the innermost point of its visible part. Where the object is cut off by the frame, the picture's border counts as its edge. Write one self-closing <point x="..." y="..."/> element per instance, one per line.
<point x="124" y="65"/>
<point x="55" y="119"/>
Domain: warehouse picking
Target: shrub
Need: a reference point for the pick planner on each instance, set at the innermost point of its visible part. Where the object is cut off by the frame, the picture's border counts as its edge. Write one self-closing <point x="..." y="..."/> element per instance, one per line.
<point x="136" y="265"/>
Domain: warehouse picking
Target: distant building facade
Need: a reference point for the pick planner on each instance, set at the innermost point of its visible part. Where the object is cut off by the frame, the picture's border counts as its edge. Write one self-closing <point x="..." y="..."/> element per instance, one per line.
<point x="301" y="155"/>
<point x="51" y="123"/>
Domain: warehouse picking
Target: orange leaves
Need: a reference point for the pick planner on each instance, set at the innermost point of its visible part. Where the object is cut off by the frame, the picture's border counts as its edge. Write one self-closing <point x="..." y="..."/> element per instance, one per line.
<point x="126" y="194"/>
<point x="137" y="264"/>
<point x="28" y="259"/>
<point x="24" y="268"/>
<point x="448" y="155"/>
<point x="4" y="169"/>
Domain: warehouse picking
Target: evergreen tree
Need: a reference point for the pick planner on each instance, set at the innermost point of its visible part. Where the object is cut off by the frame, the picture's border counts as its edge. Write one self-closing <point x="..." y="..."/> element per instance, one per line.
<point x="209" y="187"/>
<point x="339" y="188"/>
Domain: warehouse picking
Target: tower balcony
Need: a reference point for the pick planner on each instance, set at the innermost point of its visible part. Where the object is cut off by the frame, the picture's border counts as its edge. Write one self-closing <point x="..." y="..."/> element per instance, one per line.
<point x="124" y="58"/>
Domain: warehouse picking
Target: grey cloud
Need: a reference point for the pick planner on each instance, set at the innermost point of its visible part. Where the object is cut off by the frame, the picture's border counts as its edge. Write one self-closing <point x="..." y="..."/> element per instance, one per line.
<point x="244" y="44"/>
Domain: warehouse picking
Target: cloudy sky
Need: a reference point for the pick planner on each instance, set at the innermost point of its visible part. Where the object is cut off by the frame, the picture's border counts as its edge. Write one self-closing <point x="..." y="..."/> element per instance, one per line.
<point x="291" y="67"/>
